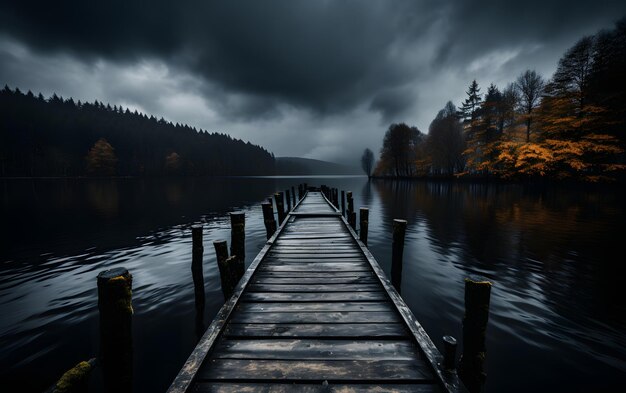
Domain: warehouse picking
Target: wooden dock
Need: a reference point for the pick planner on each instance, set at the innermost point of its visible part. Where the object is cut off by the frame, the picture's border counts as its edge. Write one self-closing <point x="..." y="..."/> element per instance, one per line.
<point x="315" y="313"/>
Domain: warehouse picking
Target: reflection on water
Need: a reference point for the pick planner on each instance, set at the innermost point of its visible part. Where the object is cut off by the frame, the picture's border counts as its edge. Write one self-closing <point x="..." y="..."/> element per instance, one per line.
<point x="557" y="311"/>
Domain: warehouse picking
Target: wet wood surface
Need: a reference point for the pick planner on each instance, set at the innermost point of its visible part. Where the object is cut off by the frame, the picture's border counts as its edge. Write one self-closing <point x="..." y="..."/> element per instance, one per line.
<point x="313" y="314"/>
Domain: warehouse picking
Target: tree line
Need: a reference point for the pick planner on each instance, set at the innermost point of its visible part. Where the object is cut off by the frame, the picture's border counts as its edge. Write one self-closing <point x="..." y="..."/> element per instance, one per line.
<point x="61" y="137"/>
<point x="572" y="125"/>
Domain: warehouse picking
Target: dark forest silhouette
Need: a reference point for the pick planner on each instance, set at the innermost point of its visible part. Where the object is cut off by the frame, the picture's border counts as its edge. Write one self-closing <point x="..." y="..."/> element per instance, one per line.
<point x="60" y="137"/>
<point x="572" y="126"/>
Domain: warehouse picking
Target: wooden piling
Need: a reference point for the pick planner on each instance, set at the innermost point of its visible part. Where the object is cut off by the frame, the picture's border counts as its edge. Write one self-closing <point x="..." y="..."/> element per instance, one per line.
<point x="221" y="250"/>
<point x="343" y="203"/>
<point x="350" y="201"/>
<point x="231" y="268"/>
<point x="116" y="341"/>
<point x="364" y="214"/>
<point x="471" y="365"/>
<point x="238" y="235"/>
<point x="300" y="192"/>
<point x="198" y="278"/>
<point x="278" y="199"/>
<point x="449" y="352"/>
<point x="268" y="219"/>
<point x="293" y="195"/>
<point x="399" y="230"/>
<point x="231" y="271"/>
<point x="288" y="200"/>
<point x="196" y="237"/>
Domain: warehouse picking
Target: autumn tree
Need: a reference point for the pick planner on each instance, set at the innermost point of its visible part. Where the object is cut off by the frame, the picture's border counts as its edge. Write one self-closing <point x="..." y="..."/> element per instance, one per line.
<point x="367" y="162"/>
<point x="573" y="125"/>
<point x="530" y="85"/>
<point x="172" y="162"/>
<point x="446" y="142"/>
<point x="101" y="159"/>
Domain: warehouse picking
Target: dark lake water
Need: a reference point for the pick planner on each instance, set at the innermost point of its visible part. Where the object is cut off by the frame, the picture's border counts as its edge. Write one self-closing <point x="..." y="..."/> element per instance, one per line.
<point x="554" y="254"/>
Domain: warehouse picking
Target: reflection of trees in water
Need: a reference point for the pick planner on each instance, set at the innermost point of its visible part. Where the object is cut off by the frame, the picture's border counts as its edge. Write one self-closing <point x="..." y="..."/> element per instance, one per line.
<point x="103" y="197"/>
<point x="557" y="239"/>
<point x="73" y="215"/>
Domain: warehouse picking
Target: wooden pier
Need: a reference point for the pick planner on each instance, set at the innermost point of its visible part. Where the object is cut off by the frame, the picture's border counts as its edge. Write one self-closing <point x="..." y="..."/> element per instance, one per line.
<point x="315" y="313"/>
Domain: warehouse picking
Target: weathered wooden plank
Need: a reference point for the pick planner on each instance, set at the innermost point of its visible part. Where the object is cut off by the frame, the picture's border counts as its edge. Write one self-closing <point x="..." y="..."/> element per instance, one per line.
<point x="313" y="255"/>
<point x="229" y="387"/>
<point x="301" y="261"/>
<point x="314" y="287"/>
<point x="316" y="349"/>
<point x="314" y="280"/>
<point x="324" y="330"/>
<point x="313" y="297"/>
<point x="317" y="317"/>
<point x="321" y="306"/>
<point x="260" y="274"/>
<point x="315" y="267"/>
<point x="338" y="370"/>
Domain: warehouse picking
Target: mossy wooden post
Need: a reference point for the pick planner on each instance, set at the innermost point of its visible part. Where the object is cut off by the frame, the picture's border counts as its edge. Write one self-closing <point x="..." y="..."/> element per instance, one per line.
<point x="449" y="352"/>
<point x="268" y="219"/>
<point x="116" y="340"/>
<point x="399" y="230"/>
<point x="293" y="195"/>
<point x="343" y="203"/>
<point x="74" y="380"/>
<point x="477" y="296"/>
<point x="278" y="198"/>
<point x="364" y="214"/>
<point x="288" y="199"/>
<point x="198" y="277"/>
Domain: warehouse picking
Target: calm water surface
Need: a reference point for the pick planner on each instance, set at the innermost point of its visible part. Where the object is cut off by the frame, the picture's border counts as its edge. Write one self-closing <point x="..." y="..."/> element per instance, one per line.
<point x="555" y="256"/>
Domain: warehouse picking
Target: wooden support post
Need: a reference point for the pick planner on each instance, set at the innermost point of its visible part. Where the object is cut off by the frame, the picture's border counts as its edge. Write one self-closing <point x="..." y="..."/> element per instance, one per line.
<point x="231" y="268"/>
<point x="238" y="235"/>
<point x="288" y="199"/>
<point x="471" y="366"/>
<point x="198" y="278"/>
<point x="268" y="219"/>
<point x="300" y="192"/>
<point x="449" y="352"/>
<point x="364" y="214"/>
<point x="399" y="230"/>
<point x="116" y="340"/>
<point x="350" y="201"/>
<point x="221" y="250"/>
<point x="343" y="203"/>
<point x="352" y="220"/>
<point x="306" y="187"/>
<point x="231" y="271"/>
<point x="278" y="198"/>
<point x="196" y="237"/>
<point x="293" y="196"/>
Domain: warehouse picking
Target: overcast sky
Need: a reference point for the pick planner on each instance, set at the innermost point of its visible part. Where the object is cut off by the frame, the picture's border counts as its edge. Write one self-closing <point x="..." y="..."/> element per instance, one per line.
<point x="317" y="79"/>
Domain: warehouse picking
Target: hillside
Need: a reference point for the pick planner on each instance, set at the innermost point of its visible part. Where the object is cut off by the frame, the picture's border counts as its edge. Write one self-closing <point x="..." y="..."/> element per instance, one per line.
<point x="291" y="166"/>
<point x="61" y="137"/>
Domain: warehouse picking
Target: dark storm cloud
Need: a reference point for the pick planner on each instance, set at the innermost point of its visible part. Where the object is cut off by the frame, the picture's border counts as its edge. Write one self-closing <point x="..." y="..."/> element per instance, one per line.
<point x="328" y="56"/>
<point x="319" y="69"/>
